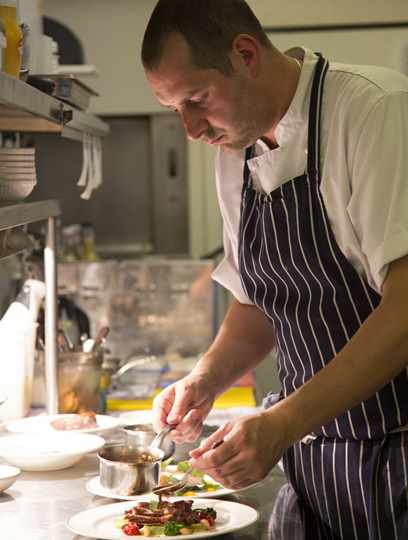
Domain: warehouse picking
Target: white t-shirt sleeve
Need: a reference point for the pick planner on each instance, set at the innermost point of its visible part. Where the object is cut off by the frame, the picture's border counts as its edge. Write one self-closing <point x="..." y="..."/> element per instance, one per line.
<point x="228" y="174"/>
<point x="378" y="206"/>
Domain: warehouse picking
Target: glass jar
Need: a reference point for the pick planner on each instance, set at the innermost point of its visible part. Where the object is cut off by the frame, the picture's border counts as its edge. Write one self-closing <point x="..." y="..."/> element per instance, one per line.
<point x="79" y="379"/>
<point x="14" y="38"/>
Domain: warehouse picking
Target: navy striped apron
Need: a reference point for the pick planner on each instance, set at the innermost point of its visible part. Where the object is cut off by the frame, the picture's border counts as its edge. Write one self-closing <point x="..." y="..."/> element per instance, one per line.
<point x="351" y="478"/>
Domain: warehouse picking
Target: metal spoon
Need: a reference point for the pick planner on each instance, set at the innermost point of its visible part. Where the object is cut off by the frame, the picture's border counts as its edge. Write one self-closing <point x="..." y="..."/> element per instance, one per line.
<point x="176" y="486"/>
<point x="158" y="440"/>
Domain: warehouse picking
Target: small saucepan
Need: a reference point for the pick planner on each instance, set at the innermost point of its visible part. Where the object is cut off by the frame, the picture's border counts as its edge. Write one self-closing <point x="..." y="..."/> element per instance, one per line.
<point x="126" y="470"/>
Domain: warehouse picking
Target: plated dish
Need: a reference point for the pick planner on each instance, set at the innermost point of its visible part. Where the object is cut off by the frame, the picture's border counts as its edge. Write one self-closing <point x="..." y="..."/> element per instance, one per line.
<point x="94" y="486"/>
<point x="166" y="518"/>
<point x="102" y="522"/>
<point x="44" y="424"/>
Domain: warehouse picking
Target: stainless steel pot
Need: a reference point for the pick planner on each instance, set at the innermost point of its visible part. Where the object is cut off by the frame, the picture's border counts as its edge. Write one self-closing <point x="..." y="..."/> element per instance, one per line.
<point x="122" y="470"/>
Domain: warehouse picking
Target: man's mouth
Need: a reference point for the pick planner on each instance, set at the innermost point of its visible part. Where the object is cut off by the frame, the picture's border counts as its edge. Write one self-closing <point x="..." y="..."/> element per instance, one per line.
<point x="216" y="140"/>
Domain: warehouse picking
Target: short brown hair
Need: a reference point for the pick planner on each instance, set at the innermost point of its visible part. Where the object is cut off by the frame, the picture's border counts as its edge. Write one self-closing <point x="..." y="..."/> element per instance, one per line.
<point x="208" y="26"/>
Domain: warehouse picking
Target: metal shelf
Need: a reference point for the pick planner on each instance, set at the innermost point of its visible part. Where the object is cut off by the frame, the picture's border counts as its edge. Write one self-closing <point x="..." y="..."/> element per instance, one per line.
<point x="24" y="108"/>
<point x="24" y="213"/>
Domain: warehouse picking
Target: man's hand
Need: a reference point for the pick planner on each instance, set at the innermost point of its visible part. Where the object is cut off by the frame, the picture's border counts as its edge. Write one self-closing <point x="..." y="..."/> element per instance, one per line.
<point x="184" y="404"/>
<point x="251" y="446"/>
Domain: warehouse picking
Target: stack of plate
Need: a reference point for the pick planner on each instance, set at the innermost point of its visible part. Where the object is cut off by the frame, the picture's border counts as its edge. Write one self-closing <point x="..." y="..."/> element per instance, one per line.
<point x="17" y="173"/>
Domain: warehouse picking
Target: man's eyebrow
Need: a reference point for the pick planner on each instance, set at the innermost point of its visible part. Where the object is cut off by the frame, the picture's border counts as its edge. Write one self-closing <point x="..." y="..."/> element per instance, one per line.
<point x="183" y="101"/>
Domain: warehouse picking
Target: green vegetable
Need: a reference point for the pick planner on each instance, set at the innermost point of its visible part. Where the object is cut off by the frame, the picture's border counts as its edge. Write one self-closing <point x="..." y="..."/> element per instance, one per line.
<point x="211" y="484"/>
<point x="154" y="530"/>
<point x="197" y="527"/>
<point x="119" y="522"/>
<point x="164" y="464"/>
<point x="183" y="466"/>
<point x="171" y="528"/>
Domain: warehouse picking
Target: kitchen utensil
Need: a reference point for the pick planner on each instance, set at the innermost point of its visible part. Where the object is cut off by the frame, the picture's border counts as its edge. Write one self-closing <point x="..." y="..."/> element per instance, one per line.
<point x="159" y="438"/>
<point x="176" y="486"/>
<point x="144" y="435"/>
<point x="124" y="471"/>
<point x="3" y="400"/>
<point x="100" y="336"/>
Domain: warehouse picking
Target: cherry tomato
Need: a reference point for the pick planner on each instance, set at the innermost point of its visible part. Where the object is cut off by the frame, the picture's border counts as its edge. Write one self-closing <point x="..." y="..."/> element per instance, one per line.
<point x="131" y="529"/>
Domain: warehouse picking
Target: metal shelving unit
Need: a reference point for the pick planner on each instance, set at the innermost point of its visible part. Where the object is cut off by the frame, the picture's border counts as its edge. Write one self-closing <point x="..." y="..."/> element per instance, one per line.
<point x="23" y="214"/>
<point x="23" y="108"/>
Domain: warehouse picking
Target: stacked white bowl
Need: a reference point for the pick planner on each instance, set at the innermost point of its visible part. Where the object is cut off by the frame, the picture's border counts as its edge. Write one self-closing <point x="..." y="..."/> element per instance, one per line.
<point x="18" y="175"/>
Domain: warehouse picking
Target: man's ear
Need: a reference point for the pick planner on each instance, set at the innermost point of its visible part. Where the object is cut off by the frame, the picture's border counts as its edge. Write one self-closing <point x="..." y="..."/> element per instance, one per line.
<point x="245" y="51"/>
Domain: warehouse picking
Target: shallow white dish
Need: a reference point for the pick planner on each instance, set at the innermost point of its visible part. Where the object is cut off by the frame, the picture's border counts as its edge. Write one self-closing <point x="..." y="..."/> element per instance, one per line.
<point x="48" y="451"/>
<point x="8" y="475"/>
<point x="95" y="487"/>
<point x="99" y="522"/>
<point x="42" y="424"/>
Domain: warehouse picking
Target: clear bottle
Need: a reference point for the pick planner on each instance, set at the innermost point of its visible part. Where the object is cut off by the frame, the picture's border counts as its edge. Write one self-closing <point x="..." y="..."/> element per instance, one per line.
<point x="88" y="243"/>
<point x="14" y="37"/>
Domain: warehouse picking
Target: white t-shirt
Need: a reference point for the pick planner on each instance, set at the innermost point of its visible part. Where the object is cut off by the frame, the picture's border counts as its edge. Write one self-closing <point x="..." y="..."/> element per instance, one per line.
<point x="364" y="167"/>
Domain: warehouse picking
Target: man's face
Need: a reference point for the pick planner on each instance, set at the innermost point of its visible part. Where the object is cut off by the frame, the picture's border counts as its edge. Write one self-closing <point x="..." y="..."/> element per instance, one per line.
<point x="215" y="108"/>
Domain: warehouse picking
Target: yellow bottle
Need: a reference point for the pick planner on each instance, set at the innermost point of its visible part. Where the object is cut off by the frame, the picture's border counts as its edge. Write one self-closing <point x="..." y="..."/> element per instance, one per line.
<point x="14" y="37"/>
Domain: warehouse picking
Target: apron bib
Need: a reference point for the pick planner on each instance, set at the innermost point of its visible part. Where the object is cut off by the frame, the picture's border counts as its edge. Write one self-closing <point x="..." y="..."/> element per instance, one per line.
<point x="293" y="270"/>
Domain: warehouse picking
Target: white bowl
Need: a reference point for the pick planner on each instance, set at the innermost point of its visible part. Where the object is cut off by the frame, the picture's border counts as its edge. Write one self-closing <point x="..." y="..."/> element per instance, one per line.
<point x="48" y="451"/>
<point x="8" y="475"/>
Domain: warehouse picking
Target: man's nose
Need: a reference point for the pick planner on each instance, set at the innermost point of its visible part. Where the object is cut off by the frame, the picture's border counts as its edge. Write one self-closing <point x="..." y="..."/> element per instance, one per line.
<point x="194" y="124"/>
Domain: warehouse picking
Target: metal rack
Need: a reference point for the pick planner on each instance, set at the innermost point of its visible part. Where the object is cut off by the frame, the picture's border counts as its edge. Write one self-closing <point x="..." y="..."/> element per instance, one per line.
<point x="26" y="109"/>
<point x="23" y="214"/>
<point x="23" y="108"/>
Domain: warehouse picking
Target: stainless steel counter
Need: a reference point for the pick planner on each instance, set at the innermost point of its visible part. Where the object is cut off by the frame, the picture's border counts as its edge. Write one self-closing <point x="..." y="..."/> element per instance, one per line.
<point x="37" y="506"/>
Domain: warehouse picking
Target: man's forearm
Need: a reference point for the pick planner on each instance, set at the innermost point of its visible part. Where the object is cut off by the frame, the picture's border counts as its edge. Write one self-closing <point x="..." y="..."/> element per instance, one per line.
<point x="245" y="337"/>
<point x="373" y="357"/>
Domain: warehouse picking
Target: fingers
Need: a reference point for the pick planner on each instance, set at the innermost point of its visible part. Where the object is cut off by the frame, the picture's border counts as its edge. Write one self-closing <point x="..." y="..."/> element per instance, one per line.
<point x="162" y="405"/>
<point x="208" y="457"/>
<point x="182" y="403"/>
<point x="208" y="444"/>
<point x="190" y="427"/>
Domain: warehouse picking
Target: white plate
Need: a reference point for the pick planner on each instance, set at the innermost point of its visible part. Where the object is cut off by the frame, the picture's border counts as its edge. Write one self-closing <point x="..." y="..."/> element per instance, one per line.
<point x="99" y="522"/>
<point x="48" y="451"/>
<point x="94" y="486"/>
<point x="8" y="475"/>
<point x="42" y="424"/>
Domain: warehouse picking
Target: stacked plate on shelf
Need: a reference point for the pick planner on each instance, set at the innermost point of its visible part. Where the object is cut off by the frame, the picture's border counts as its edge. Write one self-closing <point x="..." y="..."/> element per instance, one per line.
<point x="18" y="175"/>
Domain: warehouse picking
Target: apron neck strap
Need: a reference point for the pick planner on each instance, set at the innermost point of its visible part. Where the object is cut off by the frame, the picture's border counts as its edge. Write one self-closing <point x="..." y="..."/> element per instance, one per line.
<point x="315" y="110"/>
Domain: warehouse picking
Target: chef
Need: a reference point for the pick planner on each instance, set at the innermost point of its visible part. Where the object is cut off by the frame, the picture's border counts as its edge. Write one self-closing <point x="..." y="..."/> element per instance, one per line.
<point x="312" y="170"/>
